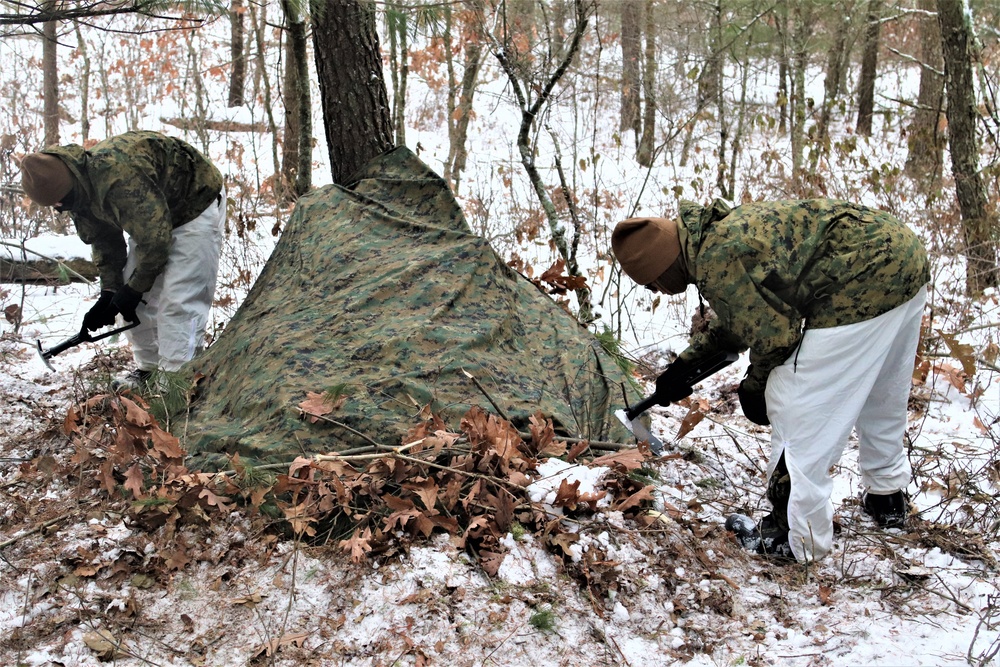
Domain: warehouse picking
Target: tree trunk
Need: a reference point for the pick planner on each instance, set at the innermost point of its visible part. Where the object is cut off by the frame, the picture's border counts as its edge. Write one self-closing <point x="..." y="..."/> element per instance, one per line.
<point x="781" y="21"/>
<point x="296" y="166"/>
<point x="352" y="89"/>
<point x="81" y="45"/>
<point x="284" y="186"/>
<point x="835" y="62"/>
<point x="50" y="79"/>
<point x="631" y="16"/>
<point x="924" y="139"/>
<point x="460" y="95"/>
<point x="644" y="155"/>
<point x="869" y="70"/>
<point x="978" y="220"/>
<point x="800" y="42"/>
<point x="238" y="73"/>
<point x="399" y="66"/>
<point x="720" y="103"/>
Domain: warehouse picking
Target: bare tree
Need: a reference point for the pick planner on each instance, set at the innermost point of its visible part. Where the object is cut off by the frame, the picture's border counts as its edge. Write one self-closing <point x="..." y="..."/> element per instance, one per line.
<point x="50" y="79"/>
<point x="461" y="93"/>
<point x="869" y="69"/>
<point x="644" y="154"/>
<point x="297" y="148"/>
<point x="924" y="139"/>
<point x="237" y="75"/>
<point x="978" y="219"/>
<point x="532" y="98"/>
<point x="631" y="39"/>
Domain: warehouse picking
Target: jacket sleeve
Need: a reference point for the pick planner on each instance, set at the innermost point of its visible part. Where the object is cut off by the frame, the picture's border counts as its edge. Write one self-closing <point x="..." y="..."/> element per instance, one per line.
<point x="748" y="315"/>
<point x="107" y="249"/>
<point x="142" y="211"/>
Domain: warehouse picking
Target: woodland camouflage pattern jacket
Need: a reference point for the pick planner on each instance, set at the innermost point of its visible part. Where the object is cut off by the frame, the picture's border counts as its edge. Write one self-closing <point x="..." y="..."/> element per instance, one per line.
<point x="770" y="270"/>
<point x="143" y="183"/>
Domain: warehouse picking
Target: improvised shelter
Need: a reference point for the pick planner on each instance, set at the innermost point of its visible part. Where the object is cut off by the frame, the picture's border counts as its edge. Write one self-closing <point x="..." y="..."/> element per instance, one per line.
<point x="380" y="292"/>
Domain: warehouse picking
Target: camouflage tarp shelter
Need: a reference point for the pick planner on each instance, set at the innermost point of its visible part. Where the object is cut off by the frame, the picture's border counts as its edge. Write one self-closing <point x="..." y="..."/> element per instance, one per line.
<point x="380" y="287"/>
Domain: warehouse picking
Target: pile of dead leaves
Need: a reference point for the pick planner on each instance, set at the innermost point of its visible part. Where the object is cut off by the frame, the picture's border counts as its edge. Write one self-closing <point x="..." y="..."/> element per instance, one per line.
<point x="471" y="485"/>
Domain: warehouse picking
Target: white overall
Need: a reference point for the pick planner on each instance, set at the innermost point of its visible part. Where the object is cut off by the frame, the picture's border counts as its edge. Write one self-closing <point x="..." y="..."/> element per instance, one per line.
<point x="851" y="376"/>
<point x="175" y="313"/>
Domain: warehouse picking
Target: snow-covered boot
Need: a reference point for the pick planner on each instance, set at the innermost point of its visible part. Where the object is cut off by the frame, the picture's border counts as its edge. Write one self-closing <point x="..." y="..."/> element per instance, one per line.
<point x="889" y="511"/>
<point x="769" y="538"/>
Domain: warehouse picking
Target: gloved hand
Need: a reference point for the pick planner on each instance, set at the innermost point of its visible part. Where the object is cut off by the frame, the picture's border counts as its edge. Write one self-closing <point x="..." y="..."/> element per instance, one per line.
<point x="125" y="301"/>
<point x="754" y="405"/>
<point x="102" y="314"/>
<point x="672" y="384"/>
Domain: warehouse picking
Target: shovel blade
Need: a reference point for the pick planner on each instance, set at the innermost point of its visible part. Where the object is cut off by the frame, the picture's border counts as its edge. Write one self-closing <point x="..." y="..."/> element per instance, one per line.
<point x="43" y="357"/>
<point x="641" y="432"/>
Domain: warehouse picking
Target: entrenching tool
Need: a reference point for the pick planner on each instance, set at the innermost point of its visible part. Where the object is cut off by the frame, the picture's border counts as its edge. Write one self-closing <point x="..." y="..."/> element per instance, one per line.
<point x="704" y="368"/>
<point x="83" y="337"/>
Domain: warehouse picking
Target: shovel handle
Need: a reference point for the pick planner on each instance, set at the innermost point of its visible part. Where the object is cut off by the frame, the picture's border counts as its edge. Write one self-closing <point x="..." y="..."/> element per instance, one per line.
<point x="83" y="337"/>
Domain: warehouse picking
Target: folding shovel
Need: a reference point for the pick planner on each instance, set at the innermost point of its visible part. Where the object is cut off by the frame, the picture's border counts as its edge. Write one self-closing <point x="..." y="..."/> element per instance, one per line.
<point x="706" y="367"/>
<point x="83" y="337"/>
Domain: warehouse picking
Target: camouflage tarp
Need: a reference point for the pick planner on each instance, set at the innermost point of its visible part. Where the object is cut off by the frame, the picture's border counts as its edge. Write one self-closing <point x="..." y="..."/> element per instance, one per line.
<point x="381" y="288"/>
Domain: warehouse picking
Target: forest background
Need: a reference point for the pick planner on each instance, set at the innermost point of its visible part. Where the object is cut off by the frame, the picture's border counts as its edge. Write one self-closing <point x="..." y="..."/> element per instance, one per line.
<point x="552" y="121"/>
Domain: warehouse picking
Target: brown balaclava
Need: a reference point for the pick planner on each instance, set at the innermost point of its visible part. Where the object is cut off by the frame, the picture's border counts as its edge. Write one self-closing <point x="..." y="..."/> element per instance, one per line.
<point x="45" y="178"/>
<point x="649" y="251"/>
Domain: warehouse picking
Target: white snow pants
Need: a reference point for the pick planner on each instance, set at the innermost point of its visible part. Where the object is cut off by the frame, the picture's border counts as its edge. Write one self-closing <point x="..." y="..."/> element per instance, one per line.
<point x="856" y="375"/>
<point x="175" y="313"/>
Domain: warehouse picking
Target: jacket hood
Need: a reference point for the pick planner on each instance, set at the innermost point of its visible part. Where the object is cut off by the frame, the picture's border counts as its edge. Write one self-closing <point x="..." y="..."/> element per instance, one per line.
<point x="695" y="220"/>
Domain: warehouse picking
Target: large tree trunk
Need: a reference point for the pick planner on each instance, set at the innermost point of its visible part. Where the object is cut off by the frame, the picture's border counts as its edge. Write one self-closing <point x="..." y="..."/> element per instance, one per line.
<point x="869" y="69"/>
<point x="978" y="220"/>
<point x="924" y="139"/>
<point x="631" y="15"/>
<point x="355" y="102"/>
<point x="238" y="73"/>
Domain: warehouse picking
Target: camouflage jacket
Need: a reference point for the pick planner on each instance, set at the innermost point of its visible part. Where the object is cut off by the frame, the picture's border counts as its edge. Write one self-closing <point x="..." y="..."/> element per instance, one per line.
<point x="770" y="270"/>
<point x="142" y="183"/>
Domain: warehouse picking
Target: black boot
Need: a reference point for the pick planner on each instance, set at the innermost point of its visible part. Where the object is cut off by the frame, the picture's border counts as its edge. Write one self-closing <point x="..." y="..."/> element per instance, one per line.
<point x="889" y="511"/>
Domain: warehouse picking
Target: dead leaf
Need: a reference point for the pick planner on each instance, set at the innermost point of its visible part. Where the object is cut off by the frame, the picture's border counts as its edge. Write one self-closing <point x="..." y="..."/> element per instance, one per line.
<point x="630" y="459"/>
<point x="318" y="405"/>
<point x="645" y="493"/>
<point x="964" y="352"/>
<point x="271" y="647"/>
<point x="169" y="446"/>
<point x="102" y="643"/>
<point x="252" y="598"/>
<point x="358" y="545"/>
<point x="699" y="408"/>
<point x="567" y="494"/>
<point x="825" y="595"/>
<point x="134" y="481"/>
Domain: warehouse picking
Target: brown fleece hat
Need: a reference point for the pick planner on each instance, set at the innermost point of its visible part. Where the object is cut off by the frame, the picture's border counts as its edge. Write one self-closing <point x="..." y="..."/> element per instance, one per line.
<point x="646" y="247"/>
<point x="45" y="178"/>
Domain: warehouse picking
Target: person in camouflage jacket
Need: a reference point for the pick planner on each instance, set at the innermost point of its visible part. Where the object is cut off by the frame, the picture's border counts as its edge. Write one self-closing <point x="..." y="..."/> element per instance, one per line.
<point x="828" y="298"/>
<point x="169" y="200"/>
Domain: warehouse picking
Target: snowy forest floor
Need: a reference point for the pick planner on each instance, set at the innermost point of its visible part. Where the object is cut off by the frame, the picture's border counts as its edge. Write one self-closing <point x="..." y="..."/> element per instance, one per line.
<point x="82" y="583"/>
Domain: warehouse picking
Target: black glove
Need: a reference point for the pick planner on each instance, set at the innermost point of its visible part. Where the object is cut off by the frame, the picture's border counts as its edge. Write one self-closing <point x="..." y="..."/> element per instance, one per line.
<point x="672" y="385"/>
<point x="102" y="314"/>
<point x="125" y="301"/>
<point x="754" y="405"/>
